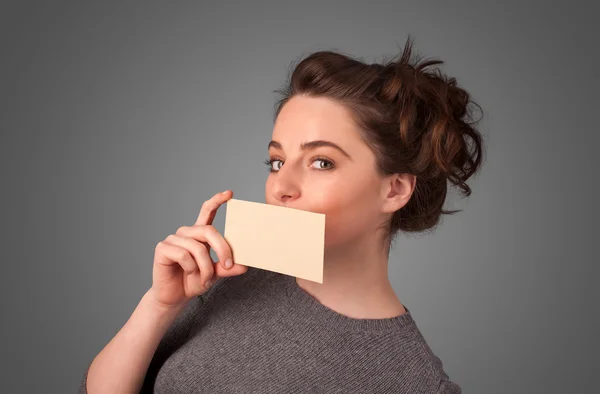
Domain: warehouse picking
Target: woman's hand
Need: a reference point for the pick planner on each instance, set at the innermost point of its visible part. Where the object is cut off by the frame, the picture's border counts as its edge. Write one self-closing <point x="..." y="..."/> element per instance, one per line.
<point x="183" y="267"/>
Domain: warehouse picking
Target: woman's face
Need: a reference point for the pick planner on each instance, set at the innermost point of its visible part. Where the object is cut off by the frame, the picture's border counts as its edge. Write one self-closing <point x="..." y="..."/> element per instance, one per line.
<point x="321" y="178"/>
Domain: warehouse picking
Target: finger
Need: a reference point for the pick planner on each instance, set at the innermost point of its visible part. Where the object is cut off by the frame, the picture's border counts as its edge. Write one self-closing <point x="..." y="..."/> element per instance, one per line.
<point x="210" y="235"/>
<point x="210" y="207"/>
<point x="169" y="254"/>
<point x="219" y="271"/>
<point x="237" y="269"/>
<point x="216" y="270"/>
<point x="200" y="253"/>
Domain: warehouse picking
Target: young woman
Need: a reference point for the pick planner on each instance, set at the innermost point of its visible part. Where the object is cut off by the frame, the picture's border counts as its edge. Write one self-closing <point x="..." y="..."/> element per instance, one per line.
<point x="373" y="147"/>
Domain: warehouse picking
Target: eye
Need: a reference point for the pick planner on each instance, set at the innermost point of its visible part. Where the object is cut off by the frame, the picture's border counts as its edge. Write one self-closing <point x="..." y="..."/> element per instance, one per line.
<point x="269" y="162"/>
<point x="323" y="164"/>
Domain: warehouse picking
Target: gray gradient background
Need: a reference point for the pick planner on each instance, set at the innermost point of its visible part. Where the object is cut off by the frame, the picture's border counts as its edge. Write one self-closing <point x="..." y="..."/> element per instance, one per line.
<point x="118" y="121"/>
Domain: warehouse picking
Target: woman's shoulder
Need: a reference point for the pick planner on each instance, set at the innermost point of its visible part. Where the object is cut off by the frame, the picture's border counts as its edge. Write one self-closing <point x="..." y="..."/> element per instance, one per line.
<point x="425" y="356"/>
<point x="413" y="358"/>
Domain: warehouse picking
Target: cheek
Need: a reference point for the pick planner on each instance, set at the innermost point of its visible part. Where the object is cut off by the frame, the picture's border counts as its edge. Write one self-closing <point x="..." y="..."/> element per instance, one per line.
<point x="349" y="213"/>
<point x="348" y="205"/>
<point x="267" y="188"/>
<point x="269" y="184"/>
<point x="345" y="225"/>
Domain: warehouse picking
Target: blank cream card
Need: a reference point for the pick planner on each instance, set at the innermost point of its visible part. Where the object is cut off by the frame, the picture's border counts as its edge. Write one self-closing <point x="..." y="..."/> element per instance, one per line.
<point x="285" y="240"/>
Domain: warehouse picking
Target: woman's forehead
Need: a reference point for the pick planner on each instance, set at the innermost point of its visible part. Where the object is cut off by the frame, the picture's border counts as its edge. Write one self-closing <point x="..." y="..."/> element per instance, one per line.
<point x="309" y="118"/>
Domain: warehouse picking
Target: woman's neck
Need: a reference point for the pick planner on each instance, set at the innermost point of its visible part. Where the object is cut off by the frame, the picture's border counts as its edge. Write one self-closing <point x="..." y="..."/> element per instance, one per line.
<point x="355" y="282"/>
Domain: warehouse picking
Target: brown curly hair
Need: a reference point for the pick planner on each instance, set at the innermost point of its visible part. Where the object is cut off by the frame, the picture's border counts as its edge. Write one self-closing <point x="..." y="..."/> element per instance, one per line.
<point x="415" y="121"/>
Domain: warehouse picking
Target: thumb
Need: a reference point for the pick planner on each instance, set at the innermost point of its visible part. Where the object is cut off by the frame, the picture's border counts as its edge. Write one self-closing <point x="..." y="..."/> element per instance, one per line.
<point x="221" y="272"/>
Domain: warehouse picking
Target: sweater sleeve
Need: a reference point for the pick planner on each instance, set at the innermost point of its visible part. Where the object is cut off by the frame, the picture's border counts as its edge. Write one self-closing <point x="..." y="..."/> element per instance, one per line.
<point x="174" y="337"/>
<point x="448" y="387"/>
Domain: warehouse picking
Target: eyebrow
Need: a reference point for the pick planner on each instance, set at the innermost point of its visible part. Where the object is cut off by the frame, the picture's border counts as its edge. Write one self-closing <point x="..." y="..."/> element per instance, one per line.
<point x="312" y="145"/>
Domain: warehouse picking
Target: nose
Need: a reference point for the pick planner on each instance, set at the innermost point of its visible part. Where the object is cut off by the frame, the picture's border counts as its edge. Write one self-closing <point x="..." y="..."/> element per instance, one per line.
<point x="285" y="185"/>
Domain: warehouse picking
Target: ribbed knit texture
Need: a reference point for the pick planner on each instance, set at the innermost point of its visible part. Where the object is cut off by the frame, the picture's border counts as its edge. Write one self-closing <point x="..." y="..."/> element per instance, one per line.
<point x="260" y="332"/>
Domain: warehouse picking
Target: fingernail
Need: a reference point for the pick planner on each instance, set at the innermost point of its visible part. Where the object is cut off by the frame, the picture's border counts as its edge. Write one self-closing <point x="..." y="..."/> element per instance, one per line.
<point x="228" y="263"/>
<point x="208" y="284"/>
<point x="225" y="192"/>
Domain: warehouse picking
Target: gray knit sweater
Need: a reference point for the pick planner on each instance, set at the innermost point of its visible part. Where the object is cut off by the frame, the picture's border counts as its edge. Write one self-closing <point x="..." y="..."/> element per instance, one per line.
<point x="260" y="332"/>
